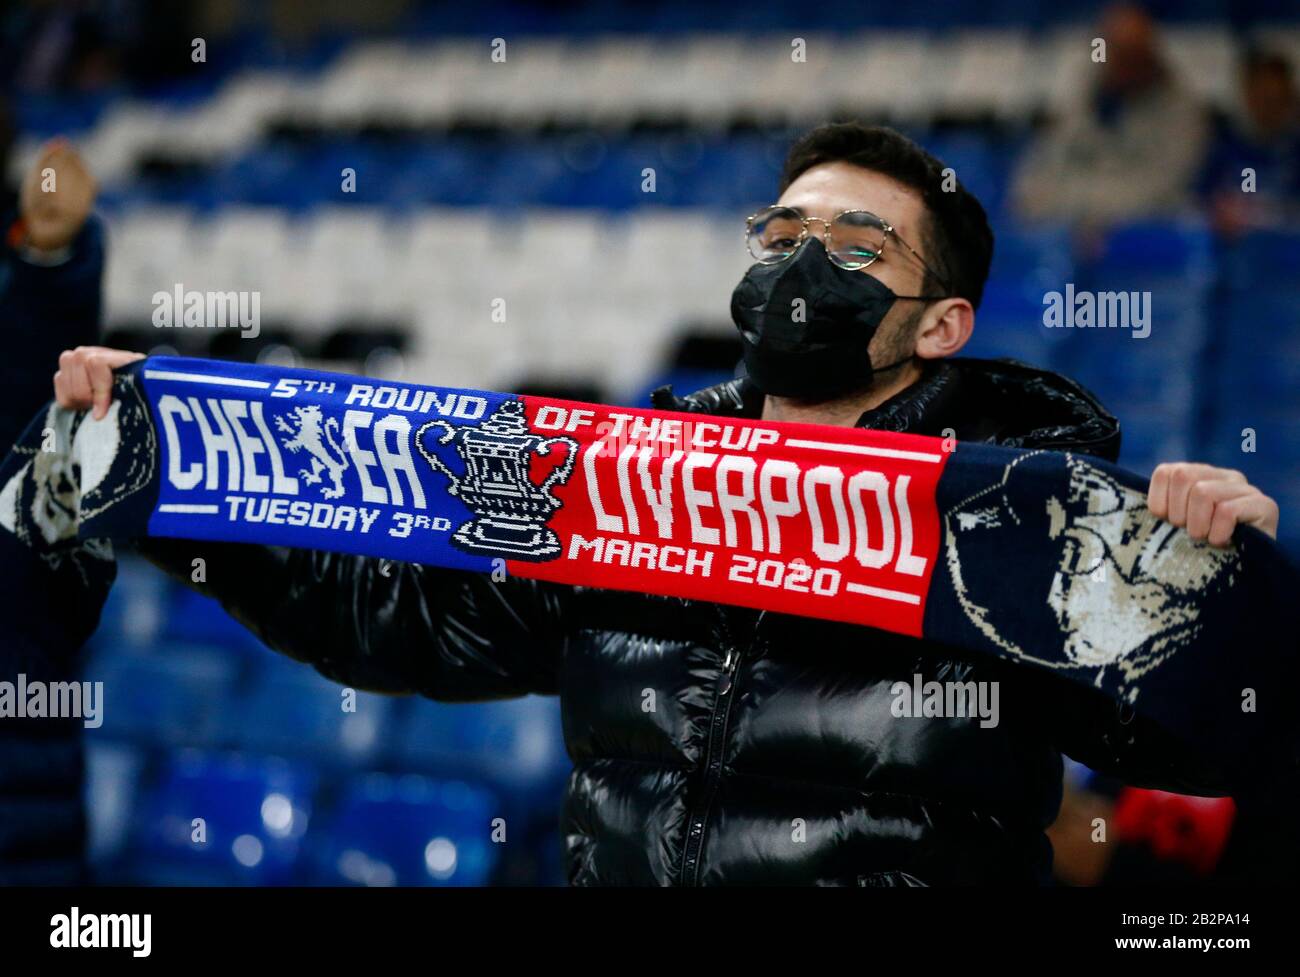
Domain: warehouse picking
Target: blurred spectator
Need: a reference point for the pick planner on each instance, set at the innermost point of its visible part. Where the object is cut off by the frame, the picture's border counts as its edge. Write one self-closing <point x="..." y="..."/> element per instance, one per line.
<point x="1079" y="857"/>
<point x="79" y="46"/>
<point x="50" y="272"/>
<point x="1185" y="835"/>
<point x="1130" y="144"/>
<point x="1265" y="140"/>
<point x="51" y="264"/>
<point x="8" y="193"/>
<point x="56" y="45"/>
<point x="1111" y="834"/>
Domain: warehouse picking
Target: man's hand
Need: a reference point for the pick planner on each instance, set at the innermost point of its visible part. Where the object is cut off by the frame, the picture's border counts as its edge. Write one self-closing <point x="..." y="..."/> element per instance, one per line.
<point x="1209" y="502"/>
<point x="85" y="377"/>
<point x="53" y="217"/>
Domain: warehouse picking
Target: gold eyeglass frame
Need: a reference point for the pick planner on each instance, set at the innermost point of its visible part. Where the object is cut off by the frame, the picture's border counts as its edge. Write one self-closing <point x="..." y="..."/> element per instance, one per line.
<point x="885" y="226"/>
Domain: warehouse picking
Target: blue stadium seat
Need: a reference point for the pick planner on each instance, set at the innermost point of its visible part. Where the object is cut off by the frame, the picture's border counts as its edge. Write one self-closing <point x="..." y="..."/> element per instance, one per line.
<point x="1250" y="378"/>
<point x="1130" y="374"/>
<point x="1039" y="258"/>
<point x="457" y="172"/>
<point x="409" y="830"/>
<point x="180" y="697"/>
<point x="1153" y="435"/>
<point x="294" y="711"/>
<point x="614" y="182"/>
<point x="1010" y="323"/>
<point x="534" y="172"/>
<point x="1264" y="259"/>
<point x="113" y="776"/>
<point x="255" y="813"/>
<point x="193" y="618"/>
<point x="981" y="164"/>
<point x="134" y="613"/>
<point x="735" y="173"/>
<point x="513" y="741"/>
<point x="1155" y="251"/>
<point x="267" y="176"/>
<point x="1276" y="437"/>
<point x="1028" y="263"/>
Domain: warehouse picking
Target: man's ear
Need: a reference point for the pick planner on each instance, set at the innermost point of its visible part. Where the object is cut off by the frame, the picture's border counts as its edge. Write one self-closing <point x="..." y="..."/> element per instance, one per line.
<point x="945" y="329"/>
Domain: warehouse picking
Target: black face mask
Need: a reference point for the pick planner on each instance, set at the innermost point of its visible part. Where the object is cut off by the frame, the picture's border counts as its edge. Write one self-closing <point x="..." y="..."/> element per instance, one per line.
<point x="825" y="355"/>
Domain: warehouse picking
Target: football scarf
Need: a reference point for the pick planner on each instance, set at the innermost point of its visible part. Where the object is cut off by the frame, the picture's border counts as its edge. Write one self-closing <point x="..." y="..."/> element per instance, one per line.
<point x="1046" y="559"/>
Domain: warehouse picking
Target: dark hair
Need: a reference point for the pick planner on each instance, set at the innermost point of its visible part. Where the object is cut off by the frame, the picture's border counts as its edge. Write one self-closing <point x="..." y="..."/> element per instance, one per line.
<point x="958" y="241"/>
<point x="1259" y="61"/>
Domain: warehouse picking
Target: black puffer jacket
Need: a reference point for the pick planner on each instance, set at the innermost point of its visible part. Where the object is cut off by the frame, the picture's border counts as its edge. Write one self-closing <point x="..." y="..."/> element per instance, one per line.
<point x="768" y="752"/>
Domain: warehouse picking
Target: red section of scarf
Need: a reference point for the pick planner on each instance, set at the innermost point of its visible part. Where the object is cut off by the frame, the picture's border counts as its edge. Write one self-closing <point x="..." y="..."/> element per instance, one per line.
<point x="856" y="525"/>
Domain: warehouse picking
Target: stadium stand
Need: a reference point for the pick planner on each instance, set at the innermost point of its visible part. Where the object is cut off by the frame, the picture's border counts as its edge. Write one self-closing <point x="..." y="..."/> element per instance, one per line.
<point x="477" y="182"/>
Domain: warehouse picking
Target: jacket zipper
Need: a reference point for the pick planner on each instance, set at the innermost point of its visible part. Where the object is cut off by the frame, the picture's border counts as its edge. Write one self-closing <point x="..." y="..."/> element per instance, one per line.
<point x="714" y="752"/>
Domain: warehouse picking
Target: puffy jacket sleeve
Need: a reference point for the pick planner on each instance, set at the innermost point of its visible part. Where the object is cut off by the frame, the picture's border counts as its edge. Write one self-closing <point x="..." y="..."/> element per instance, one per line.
<point x="446" y="634"/>
<point x="1103" y="735"/>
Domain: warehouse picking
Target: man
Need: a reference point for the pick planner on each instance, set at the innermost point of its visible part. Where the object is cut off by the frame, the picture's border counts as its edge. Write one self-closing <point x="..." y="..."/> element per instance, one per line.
<point x="51" y="263"/>
<point x="1129" y="143"/>
<point x="771" y="754"/>
<point x="1259" y="149"/>
<point x="53" y="260"/>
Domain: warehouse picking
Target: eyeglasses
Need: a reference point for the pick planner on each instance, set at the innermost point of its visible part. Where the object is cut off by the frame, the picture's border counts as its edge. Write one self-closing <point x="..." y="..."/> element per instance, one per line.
<point x="854" y="238"/>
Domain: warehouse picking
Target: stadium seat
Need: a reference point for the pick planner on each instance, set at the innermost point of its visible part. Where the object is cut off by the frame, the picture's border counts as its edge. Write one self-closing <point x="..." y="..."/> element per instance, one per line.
<point x="293" y="711"/>
<point x="1151" y="435"/>
<point x="1264" y="258"/>
<point x="135" y="611"/>
<point x="1010" y="323"/>
<point x="255" y="812"/>
<point x="408" y="830"/>
<point x="1162" y="369"/>
<point x="114" y="774"/>
<point x="1264" y="375"/>
<point x="193" y="618"/>
<point x="1034" y="257"/>
<point x="1155" y="251"/>
<point x="523" y="181"/>
<point x="179" y="697"/>
<point x="514" y="740"/>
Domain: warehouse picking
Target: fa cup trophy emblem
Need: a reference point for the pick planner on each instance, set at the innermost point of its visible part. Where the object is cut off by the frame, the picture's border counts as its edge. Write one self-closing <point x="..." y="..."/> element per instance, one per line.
<point x="510" y="511"/>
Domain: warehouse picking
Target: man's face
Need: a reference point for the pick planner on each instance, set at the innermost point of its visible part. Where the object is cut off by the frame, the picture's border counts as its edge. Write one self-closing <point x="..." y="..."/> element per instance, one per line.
<point x="832" y="188"/>
<point x="1270" y="100"/>
<point x="1132" y="55"/>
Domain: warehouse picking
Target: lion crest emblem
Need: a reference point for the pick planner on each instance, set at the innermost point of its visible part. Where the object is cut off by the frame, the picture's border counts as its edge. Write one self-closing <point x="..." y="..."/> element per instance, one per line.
<point x="312" y="433"/>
